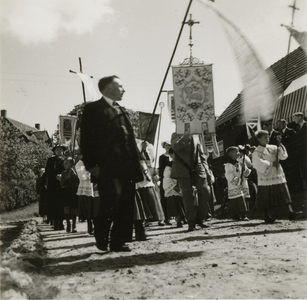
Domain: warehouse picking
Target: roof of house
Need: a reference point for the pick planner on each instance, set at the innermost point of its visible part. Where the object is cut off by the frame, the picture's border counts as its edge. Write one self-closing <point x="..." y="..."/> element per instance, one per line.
<point x="31" y="133"/>
<point x="297" y="67"/>
<point x="41" y="135"/>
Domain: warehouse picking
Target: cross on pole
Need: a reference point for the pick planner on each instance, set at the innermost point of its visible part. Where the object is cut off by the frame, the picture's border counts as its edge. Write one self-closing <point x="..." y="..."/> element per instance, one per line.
<point x="289" y="43"/>
<point x="293" y="10"/>
<point x="83" y="90"/>
<point x="191" y="23"/>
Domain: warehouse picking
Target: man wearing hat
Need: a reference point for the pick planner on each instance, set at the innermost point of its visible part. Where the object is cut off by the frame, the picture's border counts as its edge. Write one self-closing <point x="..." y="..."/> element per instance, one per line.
<point x="290" y="165"/>
<point x="301" y="142"/>
<point x="110" y="154"/>
<point x="273" y="134"/>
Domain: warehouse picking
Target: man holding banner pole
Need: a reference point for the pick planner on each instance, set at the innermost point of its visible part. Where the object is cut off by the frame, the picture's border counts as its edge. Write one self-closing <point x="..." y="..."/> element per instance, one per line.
<point x="192" y="172"/>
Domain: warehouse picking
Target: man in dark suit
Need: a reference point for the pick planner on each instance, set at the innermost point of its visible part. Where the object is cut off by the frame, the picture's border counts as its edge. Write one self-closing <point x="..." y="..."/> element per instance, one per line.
<point x="191" y="170"/>
<point x="110" y="154"/>
<point x="273" y="134"/>
<point x="301" y="140"/>
<point x="290" y="165"/>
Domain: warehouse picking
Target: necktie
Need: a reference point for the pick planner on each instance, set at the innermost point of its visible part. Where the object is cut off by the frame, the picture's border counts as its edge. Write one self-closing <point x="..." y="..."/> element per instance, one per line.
<point x="116" y="107"/>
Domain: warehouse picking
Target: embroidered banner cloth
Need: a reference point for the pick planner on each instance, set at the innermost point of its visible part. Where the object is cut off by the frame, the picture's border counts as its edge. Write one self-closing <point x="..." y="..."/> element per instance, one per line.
<point x="194" y="99"/>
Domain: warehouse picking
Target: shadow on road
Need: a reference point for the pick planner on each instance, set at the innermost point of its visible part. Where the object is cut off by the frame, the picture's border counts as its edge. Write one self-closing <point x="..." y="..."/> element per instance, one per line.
<point x="97" y="263"/>
<point x="224" y="236"/>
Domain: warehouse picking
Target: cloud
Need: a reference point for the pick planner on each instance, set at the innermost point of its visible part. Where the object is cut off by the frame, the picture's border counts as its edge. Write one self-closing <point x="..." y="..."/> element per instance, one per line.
<point x="41" y="21"/>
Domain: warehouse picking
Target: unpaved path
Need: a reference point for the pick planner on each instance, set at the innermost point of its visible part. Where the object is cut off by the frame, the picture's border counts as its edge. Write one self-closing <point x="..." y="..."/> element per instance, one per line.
<point x="233" y="260"/>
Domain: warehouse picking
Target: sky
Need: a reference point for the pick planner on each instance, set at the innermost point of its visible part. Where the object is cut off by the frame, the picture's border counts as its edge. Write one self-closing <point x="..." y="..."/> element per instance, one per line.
<point x="41" y="40"/>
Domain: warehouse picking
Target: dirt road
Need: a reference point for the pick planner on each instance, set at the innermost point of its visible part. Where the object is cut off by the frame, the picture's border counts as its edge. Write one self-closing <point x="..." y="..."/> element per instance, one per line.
<point x="233" y="260"/>
<point x="238" y="260"/>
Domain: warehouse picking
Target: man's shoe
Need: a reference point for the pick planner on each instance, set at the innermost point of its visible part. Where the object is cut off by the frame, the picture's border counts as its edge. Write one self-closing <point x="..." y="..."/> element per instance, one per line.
<point x="168" y="223"/>
<point x="269" y="220"/>
<point x="146" y="224"/>
<point x="179" y="224"/>
<point x="120" y="248"/>
<point x="161" y="223"/>
<point x="102" y="245"/>
<point x="191" y="228"/>
<point x="202" y="225"/>
<point x="295" y="215"/>
<point x="141" y="237"/>
<point x="184" y="220"/>
<point x="236" y="218"/>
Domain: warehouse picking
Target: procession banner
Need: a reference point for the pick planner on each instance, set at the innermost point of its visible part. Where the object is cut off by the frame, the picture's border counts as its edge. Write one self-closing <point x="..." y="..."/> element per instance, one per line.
<point x="259" y="93"/>
<point x="89" y="85"/>
<point x="171" y="106"/>
<point x="300" y="37"/>
<point x="194" y="99"/>
<point x="67" y="128"/>
<point x="144" y="120"/>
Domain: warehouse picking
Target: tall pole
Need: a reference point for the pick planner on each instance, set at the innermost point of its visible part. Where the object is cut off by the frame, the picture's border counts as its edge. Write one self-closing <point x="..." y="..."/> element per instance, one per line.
<point x="289" y="43"/>
<point x="161" y="104"/>
<point x="287" y="58"/>
<point x="83" y="90"/>
<point x="168" y="67"/>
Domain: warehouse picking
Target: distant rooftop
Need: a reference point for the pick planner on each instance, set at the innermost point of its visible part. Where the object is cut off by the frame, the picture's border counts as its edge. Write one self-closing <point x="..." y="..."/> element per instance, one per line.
<point x="30" y="133"/>
<point x="297" y="67"/>
<point x="24" y="129"/>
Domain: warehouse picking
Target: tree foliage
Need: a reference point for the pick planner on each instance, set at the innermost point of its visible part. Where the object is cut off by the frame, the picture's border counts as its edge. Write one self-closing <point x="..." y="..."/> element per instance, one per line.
<point x="20" y="162"/>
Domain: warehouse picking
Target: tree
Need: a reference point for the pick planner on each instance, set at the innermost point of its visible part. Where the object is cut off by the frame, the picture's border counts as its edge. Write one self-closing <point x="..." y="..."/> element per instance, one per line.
<point x="20" y="161"/>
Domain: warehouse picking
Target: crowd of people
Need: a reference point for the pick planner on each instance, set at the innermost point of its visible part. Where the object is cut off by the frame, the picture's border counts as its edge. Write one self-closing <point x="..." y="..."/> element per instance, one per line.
<point x="113" y="186"/>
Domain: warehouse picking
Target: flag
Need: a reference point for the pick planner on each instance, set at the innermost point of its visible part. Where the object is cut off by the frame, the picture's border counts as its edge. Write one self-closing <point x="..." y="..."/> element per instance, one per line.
<point x="171" y="106"/>
<point x="88" y="83"/>
<point x="144" y="120"/>
<point x="300" y="37"/>
<point x="249" y="136"/>
<point x="258" y="94"/>
<point x="67" y="131"/>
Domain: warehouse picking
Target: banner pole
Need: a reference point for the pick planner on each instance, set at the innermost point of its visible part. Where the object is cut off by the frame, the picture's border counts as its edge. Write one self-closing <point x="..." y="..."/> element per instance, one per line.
<point x="168" y="67"/>
<point x="83" y="90"/>
<point x="160" y="120"/>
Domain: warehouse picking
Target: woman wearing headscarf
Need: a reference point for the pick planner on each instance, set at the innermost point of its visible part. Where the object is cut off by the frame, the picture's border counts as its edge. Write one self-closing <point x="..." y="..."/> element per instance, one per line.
<point x="54" y="168"/>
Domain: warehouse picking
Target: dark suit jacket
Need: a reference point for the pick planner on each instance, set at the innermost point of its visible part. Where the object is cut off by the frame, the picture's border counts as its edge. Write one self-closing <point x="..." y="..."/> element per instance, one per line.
<point x="183" y="147"/>
<point x="289" y="140"/>
<point x="302" y="142"/>
<point x="107" y="141"/>
<point x="273" y="137"/>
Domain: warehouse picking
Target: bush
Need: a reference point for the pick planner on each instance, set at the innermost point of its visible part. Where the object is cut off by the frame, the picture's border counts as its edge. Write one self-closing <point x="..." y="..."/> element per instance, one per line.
<point x="20" y="161"/>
